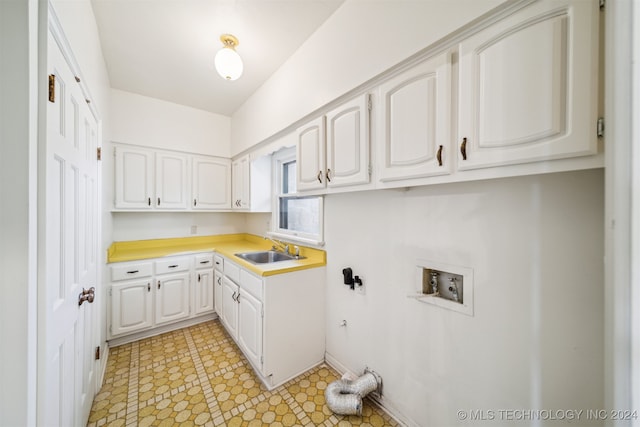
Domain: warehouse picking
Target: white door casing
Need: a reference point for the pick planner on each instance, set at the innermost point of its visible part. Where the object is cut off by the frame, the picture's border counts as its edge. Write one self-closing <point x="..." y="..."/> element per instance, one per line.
<point x="69" y="224"/>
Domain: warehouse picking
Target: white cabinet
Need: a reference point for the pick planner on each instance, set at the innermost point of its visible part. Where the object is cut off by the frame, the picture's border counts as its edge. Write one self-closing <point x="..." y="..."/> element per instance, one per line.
<point x="155" y="295"/>
<point x="172" y="298"/>
<point x="251" y="184"/>
<point x="229" y="316"/>
<point x="333" y="150"/>
<point x="211" y="183"/>
<point x="131" y="306"/>
<point x="528" y="86"/>
<point x="250" y="326"/>
<point x="134" y="175"/>
<point x="171" y="181"/>
<point x="203" y="301"/>
<point x="146" y="179"/>
<point x="268" y="316"/>
<point x="415" y="122"/>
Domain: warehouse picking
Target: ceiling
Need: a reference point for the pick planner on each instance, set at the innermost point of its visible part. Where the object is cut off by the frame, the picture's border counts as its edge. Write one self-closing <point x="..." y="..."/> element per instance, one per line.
<point x="165" y="48"/>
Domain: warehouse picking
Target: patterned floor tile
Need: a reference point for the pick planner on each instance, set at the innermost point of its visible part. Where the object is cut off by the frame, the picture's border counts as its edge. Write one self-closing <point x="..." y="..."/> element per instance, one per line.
<point x="198" y="377"/>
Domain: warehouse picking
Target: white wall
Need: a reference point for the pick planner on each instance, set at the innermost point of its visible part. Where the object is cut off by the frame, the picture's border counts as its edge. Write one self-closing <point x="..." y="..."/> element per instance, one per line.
<point x="18" y="239"/>
<point x="359" y="41"/>
<point x="535" y="245"/>
<point x="155" y="123"/>
<point x="163" y="225"/>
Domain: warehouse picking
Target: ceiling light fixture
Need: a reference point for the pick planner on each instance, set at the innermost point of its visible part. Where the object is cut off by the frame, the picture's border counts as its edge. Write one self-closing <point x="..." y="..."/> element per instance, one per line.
<point x="228" y="62"/>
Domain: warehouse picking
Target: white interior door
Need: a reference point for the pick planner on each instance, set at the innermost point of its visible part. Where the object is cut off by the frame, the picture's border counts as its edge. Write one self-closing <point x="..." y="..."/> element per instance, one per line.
<point x="67" y="374"/>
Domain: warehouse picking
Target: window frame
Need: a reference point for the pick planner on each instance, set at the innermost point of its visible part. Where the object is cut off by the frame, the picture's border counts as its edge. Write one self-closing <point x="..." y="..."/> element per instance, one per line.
<point x="280" y="158"/>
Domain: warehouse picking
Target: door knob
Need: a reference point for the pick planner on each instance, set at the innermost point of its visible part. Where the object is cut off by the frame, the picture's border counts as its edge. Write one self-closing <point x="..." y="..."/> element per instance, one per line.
<point x="87" y="295"/>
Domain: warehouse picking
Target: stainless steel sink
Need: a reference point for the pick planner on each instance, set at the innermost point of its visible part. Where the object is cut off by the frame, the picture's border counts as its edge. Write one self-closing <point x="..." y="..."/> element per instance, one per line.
<point x="266" y="257"/>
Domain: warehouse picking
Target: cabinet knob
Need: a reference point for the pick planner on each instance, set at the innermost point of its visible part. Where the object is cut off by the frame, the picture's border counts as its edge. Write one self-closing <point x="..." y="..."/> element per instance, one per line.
<point x="148" y="287"/>
<point x="198" y="277"/>
<point x="149" y="201"/>
<point x="195" y="202"/>
<point x="439" y="156"/>
<point x="158" y="284"/>
<point x="463" y="148"/>
<point x="158" y="201"/>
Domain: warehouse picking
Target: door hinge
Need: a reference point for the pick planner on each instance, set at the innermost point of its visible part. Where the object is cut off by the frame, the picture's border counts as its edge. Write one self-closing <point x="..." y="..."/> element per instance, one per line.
<point x="52" y="88"/>
<point x="602" y="4"/>
<point x="98" y="353"/>
<point x="99" y="153"/>
<point x="600" y="127"/>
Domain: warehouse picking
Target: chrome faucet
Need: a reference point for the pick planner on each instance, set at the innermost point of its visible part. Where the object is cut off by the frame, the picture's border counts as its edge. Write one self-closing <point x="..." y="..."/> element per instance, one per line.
<point x="278" y="245"/>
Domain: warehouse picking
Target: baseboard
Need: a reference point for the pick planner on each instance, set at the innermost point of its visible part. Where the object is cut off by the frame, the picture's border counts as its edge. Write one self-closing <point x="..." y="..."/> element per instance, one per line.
<point x="114" y="342"/>
<point x="377" y="399"/>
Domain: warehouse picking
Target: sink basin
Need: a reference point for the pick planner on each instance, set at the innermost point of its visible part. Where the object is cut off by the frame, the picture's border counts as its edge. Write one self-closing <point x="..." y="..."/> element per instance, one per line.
<point x="266" y="257"/>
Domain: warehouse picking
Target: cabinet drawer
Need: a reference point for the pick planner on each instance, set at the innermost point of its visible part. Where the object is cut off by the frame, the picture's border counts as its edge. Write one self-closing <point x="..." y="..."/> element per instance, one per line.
<point x="172" y="265"/>
<point x="219" y="262"/>
<point x="232" y="271"/>
<point x="204" y="260"/>
<point x="251" y="284"/>
<point x="131" y="271"/>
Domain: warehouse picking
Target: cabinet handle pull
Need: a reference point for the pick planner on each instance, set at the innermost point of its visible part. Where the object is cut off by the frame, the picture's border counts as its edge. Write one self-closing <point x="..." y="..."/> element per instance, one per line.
<point x="173" y="266"/>
<point x="328" y="175"/>
<point x="198" y="277"/>
<point x="158" y="284"/>
<point x="219" y="281"/>
<point x="238" y="298"/>
<point x="463" y="148"/>
<point x="204" y="262"/>
<point x="133" y="271"/>
<point x="149" y="201"/>
<point x="320" y="177"/>
<point x="148" y="287"/>
<point x="233" y="297"/>
<point x="158" y="201"/>
<point x="439" y="156"/>
<point x="195" y="202"/>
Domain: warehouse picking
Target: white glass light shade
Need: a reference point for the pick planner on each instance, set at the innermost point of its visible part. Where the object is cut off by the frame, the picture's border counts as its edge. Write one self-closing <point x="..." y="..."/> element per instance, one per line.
<point x="228" y="63"/>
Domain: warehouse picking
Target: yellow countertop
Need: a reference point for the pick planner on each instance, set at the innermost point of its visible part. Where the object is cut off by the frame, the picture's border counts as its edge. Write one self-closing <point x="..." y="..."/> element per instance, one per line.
<point x="226" y="244"/>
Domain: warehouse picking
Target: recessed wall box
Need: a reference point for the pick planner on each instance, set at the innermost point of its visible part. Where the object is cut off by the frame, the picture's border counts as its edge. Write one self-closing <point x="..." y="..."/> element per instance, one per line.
<point x="445" y="285"/>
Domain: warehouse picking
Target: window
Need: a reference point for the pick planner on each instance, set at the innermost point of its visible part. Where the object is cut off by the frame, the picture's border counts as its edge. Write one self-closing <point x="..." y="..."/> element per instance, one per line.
<point x="294" y="216"/>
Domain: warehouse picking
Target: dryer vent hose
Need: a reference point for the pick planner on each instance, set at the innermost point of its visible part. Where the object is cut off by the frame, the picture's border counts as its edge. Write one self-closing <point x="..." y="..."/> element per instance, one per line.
<point x="344" y="397"/>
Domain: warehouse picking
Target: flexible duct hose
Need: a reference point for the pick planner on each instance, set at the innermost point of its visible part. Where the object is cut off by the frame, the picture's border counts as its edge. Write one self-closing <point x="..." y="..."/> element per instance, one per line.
<point x="345" y="397"/>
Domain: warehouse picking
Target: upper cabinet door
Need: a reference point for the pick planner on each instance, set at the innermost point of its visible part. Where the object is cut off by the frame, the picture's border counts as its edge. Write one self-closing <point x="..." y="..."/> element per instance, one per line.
<point x="172" y="181"/>
<point x="528" y="86"/>
<point x="415" y="121"/>
<point x="310" y="154"/>
<point x="348" y="143"/>
<point x="134" y="178"/>
<point x="211" y="183"/>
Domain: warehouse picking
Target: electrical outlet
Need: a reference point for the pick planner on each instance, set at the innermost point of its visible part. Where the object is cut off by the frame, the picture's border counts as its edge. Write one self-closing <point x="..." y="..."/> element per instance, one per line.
<point x="194" y="229"/>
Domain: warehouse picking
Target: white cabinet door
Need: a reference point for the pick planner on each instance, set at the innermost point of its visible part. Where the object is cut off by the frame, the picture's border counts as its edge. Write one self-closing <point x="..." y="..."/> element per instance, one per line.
<point x="172" y="297"/>
<point x="211" y="185"/>
<point x="204" y="291"/>
<point x="171" y="181"/>
<point x="348" y="143"/>
<point x="528" y="86"/>
<point x="250" y="327"/>
<point x="230" y="292"/>
<point x="217" y="297"/>
<point x="241" y="183"/>
<point x="134" y="183"/>
<point x="310" y="155"/>
<point x="131" y="306"/>
<point x="415" y="121"/>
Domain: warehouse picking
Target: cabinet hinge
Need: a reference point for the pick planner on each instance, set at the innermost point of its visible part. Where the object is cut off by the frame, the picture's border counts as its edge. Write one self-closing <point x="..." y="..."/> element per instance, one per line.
<point x="262" y="311"/>
<point x="98" y="353"/>
<point x="111" y="329"/>
<point x="99" y="153"/>
<point x="110" y="291"/>
<point x="52" y="88"/>
<point x="600" y="127"/>
<point x="262" y="360"/>
<point x="370" y="169"/>
<point x="369" y="102"/>
<point x="602" y="4"/>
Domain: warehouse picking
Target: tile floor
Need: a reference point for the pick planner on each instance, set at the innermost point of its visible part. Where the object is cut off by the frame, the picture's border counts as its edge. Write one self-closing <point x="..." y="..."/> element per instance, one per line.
<point x="197" y="376"/>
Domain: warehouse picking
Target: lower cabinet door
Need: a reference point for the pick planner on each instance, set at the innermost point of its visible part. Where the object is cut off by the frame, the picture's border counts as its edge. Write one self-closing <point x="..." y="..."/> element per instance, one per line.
<point x="203" y="301"/>
<point x="230" y="292"/>
<point x="172" y="297"/>
<point x="217" y="297"/>
<point x="250" y="327"/>
<point x="131" y="306"/>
